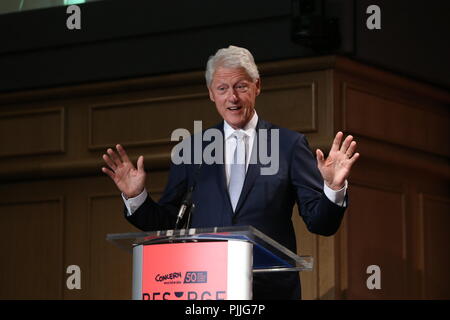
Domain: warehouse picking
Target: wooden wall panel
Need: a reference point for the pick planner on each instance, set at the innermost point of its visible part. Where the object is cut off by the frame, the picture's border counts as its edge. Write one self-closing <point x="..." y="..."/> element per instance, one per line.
<point x="80" y="234"/>
<point x="307" y="246"/>
<point x="437" y="131"/>
<point x="326" y="257"/>
<point x="32" y="132"/>
<point x="299" y="100"/>
<point x="376" y="236"/>
<point x="320" y="283"/>
<point x="31" y="246"/>
<point x="107" y="261"/>
<point x="146" y="122"/>
<point x="370" y="114"/>
<point x="110" y="270"/>
<point x="402" y="128"/>
<point x="436" y="222"/>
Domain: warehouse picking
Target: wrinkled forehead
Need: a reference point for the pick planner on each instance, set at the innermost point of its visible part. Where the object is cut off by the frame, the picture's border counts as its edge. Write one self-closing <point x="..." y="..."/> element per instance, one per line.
<point x="231" y="75"/>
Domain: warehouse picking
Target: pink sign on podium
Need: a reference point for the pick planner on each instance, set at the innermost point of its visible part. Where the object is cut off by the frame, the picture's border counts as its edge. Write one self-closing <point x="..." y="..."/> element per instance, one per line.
<point x="185" y="271"/>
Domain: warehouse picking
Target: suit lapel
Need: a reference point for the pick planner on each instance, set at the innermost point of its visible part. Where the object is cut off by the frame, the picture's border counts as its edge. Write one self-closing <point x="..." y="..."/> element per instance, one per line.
<point x="219" y="172"/>
<point x="254" y="168"/>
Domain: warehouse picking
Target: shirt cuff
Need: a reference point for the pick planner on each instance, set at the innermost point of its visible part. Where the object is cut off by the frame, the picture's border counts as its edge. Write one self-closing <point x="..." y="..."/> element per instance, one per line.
<point x="336" y="196"/>
<point x="132" y="204"/>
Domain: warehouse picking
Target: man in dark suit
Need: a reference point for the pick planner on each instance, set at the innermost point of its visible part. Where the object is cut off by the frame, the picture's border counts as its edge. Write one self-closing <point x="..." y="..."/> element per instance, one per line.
<point x="234" y="192"/>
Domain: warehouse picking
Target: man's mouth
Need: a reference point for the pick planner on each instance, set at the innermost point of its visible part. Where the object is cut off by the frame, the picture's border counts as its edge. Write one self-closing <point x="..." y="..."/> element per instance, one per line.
<point x="234" y="108"/>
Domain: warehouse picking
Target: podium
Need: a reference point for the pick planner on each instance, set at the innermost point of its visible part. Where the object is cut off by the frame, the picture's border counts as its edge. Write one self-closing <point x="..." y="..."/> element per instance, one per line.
<point x="203" y="264"/>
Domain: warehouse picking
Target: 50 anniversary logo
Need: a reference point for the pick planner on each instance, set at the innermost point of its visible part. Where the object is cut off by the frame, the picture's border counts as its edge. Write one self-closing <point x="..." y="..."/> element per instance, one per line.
<point x="191" y="277"/>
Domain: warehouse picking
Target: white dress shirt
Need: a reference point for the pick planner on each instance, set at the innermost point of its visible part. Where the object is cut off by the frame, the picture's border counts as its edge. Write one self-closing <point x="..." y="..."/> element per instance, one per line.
<point x="230" y="143"/>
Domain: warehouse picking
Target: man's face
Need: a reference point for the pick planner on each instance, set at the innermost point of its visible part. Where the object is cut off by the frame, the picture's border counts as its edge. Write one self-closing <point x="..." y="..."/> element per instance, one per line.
<point x="234" y="93"/>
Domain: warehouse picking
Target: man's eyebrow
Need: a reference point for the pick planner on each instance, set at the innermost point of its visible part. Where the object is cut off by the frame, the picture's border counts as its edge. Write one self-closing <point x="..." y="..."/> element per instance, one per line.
<point x="238" y="81"/>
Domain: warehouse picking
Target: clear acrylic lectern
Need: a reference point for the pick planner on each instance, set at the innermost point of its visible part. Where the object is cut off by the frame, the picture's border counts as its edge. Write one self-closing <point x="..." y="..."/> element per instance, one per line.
<point x="209" y="263"/>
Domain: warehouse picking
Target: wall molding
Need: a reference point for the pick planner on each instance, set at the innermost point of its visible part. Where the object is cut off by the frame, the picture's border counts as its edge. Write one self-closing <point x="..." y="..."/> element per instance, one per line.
<point x="58" y="148"/>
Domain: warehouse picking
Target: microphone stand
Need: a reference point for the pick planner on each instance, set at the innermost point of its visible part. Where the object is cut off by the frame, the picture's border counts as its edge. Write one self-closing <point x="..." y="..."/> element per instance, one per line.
<point x="186" y="205"/>
<point x="190" y="212"/>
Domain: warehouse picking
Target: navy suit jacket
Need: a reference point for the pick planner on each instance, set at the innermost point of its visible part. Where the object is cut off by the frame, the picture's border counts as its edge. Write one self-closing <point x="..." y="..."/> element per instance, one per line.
<point x="266" y="202"/>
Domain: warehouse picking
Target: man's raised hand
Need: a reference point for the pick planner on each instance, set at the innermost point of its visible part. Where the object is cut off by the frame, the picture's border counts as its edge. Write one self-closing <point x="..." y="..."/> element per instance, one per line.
<point x="128" y="179"/>
<point x="336" y="167"/>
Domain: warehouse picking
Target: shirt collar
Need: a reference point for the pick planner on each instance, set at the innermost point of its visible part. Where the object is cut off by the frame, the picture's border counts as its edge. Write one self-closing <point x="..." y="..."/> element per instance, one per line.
<point x="249" y="128"/>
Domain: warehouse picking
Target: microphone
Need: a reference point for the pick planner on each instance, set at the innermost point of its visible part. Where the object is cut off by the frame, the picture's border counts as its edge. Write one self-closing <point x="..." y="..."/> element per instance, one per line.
<point x="186" y="204"/>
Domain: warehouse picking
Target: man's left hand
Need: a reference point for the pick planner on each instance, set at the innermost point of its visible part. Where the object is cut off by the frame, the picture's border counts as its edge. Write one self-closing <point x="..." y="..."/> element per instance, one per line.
<point x="336" y="167"/>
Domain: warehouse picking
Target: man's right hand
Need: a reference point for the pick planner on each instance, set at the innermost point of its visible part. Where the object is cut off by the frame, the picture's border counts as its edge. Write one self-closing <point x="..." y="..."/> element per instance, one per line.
<point x="128" y="179"/>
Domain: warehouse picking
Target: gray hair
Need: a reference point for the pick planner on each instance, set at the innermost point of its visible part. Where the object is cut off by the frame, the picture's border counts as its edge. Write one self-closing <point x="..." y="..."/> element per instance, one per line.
<point x="231" y="57"/>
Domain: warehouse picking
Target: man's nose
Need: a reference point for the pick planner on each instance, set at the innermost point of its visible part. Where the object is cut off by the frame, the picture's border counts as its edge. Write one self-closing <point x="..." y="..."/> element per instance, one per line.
<point x="232" y="96"/>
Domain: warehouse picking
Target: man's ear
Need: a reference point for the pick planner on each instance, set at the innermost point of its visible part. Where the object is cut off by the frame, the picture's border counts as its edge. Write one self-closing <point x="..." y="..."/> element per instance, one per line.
<point x="211" y="95"/>
<point x="258" y="86"/>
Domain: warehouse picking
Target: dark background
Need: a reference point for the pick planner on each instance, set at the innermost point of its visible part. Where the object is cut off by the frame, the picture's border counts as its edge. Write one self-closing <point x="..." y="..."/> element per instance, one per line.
<point x="126" y="39"/>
